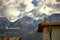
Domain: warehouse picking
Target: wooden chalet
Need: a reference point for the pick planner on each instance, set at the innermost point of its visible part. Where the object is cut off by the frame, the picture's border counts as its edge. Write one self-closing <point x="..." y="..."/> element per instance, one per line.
<point x="50" y="30"/>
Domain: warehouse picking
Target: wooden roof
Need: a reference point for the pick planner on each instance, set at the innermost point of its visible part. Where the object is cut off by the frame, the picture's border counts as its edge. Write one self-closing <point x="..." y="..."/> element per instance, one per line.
<point x="41" y="26"/>
<point x="50" y="23"/>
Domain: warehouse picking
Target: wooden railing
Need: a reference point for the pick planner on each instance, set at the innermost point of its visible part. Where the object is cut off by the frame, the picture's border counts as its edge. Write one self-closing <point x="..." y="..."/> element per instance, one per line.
<point x="10" y="38"/>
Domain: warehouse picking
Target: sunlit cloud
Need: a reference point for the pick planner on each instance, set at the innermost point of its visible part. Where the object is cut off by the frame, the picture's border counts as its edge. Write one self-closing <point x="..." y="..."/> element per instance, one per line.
<point x="11" y="12"/>
<point x="29" y="7"/>
<point x="27" y="1"/>
<point x="49" y="7"/>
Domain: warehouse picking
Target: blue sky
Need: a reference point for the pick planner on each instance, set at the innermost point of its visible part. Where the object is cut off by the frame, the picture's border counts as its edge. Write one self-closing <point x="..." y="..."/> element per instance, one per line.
<point x="35" y="2"/>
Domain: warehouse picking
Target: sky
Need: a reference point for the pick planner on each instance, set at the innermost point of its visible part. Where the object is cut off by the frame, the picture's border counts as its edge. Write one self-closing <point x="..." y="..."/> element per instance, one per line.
<point x="11" y="9"/>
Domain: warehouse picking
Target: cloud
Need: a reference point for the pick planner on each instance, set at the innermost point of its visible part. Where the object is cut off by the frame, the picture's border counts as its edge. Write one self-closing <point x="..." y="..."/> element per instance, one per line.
<point x="28" y="1"/>
<point x="11" y="13"/>
<point x="49" y="7"/>
<point x="55" y="5"/>
<point x="29" y="7"/>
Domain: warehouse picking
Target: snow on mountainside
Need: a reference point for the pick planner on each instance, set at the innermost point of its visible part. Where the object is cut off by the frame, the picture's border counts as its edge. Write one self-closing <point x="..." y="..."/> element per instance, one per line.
<point x="28" y="28"/>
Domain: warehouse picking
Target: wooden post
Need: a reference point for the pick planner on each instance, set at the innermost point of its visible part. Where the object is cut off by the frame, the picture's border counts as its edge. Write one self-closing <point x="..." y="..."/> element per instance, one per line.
<point x="46" y="33"/>
<point x="51" y="31"/>
<point x="4" y="38"/>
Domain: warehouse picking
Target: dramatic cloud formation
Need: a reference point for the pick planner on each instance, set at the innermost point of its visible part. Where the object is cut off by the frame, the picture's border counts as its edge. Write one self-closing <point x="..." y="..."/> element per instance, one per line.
<point x="15" y="9"/>
<point x="49" y="6"/>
